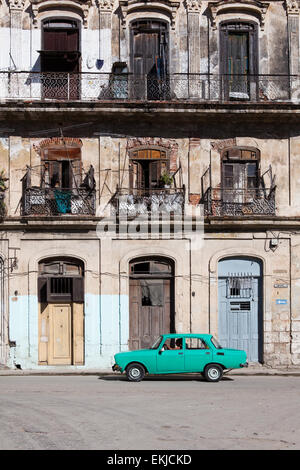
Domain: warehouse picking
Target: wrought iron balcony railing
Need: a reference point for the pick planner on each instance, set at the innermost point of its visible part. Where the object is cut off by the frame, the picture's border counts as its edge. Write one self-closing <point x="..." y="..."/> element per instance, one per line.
<point x="134" y="202"/>
<point x="53" y="202"/>
<point x="99" y="86"/>
<point x="239" y="202"/>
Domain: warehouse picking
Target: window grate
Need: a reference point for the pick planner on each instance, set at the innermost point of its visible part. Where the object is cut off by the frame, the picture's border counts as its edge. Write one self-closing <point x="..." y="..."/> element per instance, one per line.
<point x="61" y="285"/>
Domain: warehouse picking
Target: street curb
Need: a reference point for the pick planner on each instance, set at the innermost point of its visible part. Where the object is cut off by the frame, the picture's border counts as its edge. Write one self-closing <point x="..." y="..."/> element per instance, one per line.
<point x="254" y="372"/>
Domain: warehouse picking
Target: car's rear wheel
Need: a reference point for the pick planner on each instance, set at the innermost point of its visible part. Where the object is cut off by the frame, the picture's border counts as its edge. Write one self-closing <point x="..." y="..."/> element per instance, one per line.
<point x="213" y="373"/>
<point x="135" y="372"/>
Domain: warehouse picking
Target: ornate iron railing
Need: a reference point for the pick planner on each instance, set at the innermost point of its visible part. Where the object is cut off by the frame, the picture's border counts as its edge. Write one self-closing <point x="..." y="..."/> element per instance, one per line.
<point x="239" y="202"/>
<point x="53" y="202"/>
<point x="134" y="202"/>
<point x="86" y="86"/>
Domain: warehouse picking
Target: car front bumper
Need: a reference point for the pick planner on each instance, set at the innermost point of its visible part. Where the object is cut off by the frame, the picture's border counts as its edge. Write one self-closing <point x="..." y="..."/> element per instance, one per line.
<point x="115" y="367"/>
<point x="244" y="364"/>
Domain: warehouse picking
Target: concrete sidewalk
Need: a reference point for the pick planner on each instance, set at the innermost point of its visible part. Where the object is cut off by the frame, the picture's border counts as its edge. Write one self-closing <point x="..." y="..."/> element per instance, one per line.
<point x="253" y="369"/>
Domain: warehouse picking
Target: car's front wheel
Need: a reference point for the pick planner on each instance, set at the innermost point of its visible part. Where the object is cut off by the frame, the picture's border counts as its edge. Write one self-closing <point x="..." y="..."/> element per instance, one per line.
<point x="213" y="373"/>
<point x="135" y="372"/>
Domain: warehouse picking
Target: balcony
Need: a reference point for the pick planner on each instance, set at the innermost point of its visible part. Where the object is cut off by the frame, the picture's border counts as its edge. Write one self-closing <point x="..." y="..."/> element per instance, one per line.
<point x="239" y="202"/>
<point x="91" y="87"/>
<point x="136" y="202"/>
<point x="57" y="202"/>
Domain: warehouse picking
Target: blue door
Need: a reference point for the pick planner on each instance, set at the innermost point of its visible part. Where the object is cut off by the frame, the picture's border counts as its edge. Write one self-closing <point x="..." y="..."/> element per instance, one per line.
<point x="240" y="305"/>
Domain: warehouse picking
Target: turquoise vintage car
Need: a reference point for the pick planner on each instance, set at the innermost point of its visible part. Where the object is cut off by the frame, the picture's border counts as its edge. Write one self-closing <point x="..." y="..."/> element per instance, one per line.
<point x="181" y="353"/>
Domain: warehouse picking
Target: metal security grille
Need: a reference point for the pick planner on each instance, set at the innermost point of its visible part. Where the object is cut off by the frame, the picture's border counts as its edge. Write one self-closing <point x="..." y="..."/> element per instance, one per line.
<point x="239" y="286"/>
<point x="240" y="306"/>
<point x="61" y="285"/>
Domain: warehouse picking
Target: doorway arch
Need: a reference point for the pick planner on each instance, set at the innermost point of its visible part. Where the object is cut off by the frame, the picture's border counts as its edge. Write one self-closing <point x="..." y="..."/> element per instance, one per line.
<point x="240" y="305"/>
<point x="151" y="300"/>
<point x="61" y="308"/>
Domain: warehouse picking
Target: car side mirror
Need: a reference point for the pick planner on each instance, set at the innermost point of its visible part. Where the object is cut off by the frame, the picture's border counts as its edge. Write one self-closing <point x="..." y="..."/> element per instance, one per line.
<point x="160" y="351"/>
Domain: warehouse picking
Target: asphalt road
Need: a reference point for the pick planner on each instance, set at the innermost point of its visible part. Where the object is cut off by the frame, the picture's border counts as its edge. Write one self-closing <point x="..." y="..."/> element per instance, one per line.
<point x="92" y="413"/>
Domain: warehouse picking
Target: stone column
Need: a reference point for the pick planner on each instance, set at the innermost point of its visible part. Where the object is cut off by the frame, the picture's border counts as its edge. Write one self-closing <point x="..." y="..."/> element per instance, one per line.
<point x="16" y="10"/>
<point x="193" y="8"/>
<point x="292" y="9"/>
<point x="105" y="14"/>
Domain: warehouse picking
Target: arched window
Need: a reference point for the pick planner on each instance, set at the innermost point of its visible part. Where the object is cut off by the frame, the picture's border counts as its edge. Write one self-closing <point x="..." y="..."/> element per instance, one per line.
<point x="240" y="175"/>
<point x="240" y="168"/>
<point x="62" y="167"/>
<point x="61" y="280"/>
<point x="147" y="165"/>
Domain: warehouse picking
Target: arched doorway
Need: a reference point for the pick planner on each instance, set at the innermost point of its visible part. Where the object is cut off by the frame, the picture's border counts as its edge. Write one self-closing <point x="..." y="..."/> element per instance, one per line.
<point x="61" y="313"/>
<point x="151" y="300"/>
<point x="240" y="302"/>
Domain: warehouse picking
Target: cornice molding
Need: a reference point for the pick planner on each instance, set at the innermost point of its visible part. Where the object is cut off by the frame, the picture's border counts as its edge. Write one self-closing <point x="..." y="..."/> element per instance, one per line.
<point x="40" y="5"/>
<point x="169" y="7"/>
<point x="253" y="7"/>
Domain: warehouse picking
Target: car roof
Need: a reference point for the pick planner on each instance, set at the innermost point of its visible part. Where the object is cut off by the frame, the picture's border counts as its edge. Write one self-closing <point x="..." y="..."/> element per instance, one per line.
<point x="180" y="335"/>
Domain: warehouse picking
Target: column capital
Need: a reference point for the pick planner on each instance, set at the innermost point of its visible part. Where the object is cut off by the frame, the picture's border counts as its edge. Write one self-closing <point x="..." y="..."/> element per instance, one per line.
<point x="193" y="6"/>
<point x="292" y="7"/>
<point x="16" y="5"/>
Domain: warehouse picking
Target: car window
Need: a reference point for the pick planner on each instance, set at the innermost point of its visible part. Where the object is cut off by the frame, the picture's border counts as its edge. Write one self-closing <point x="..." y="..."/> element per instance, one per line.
<point x="195" y="343"/>
<point x="173" y="343"/>
<point x="216" y="343"/>
<point x="156" y="343"/>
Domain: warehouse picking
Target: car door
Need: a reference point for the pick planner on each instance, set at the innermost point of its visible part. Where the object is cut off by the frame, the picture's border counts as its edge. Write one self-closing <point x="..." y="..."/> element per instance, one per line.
<point x="170" y="358"/>
<point x="197" y="354"/>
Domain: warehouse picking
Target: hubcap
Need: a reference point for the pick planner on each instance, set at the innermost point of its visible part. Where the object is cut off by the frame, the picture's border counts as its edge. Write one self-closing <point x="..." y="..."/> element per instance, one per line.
<point x="213" y="373"/>
<point x="135" y="372"/>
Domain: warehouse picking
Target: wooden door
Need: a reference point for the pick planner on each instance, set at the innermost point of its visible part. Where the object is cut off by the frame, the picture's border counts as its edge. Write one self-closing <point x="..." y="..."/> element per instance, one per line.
<point x="150" y="311"/>
<point x="60" y="332"/>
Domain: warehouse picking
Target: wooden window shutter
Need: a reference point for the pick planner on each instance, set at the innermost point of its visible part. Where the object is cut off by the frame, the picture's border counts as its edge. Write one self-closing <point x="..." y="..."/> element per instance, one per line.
<point x="78" y="289"/>
<point x="42" y="289"/>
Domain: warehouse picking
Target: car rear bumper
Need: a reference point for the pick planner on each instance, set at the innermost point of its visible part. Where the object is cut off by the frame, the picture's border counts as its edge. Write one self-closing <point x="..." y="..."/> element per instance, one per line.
<point x="244" y="364"/>
<point x="116" y="367"/>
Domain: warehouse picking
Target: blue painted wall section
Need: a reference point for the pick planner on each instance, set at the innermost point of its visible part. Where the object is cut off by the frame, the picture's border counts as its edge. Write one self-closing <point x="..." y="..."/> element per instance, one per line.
<point x="106" y="331"/>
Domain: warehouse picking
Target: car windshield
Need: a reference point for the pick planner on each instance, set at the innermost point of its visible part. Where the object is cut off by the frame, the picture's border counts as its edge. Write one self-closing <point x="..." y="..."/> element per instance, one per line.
<point x="156" y="343"/>
<point x="216" y="343"/>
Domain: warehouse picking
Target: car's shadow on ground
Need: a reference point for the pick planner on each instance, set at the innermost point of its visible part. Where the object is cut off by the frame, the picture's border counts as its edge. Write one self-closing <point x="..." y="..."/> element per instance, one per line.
<point x="162" y="378"/>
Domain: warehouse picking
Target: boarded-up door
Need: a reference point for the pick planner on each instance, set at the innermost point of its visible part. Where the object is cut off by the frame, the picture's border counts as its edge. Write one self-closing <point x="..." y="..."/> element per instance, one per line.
<point x="150" y="311"/>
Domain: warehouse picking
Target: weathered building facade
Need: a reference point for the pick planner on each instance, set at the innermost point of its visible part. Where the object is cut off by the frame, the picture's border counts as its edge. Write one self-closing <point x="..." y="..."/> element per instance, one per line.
<point x="115" y="109"/>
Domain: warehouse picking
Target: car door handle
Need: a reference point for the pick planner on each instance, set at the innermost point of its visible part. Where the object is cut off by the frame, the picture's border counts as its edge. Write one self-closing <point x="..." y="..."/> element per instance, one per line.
<point x="180" y="354"/>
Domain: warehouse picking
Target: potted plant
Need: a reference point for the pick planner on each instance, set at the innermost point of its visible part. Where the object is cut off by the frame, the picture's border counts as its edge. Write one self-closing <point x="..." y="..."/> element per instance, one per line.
<point x="166" y="180"/>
